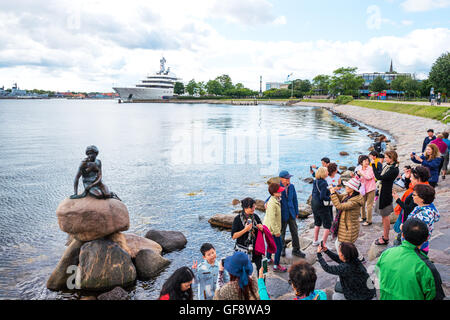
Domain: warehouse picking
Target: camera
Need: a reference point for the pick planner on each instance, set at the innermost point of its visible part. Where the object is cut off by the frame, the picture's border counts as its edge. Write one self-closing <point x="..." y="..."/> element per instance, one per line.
<point x="249" y="221"/>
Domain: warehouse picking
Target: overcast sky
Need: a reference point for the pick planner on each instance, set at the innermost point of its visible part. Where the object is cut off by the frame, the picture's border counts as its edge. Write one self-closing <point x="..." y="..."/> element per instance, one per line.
<point x="93" y="45"/>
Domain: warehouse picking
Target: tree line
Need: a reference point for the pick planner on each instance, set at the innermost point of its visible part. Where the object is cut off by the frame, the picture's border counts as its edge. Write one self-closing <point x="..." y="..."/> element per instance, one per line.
<point x="343" y="81"/>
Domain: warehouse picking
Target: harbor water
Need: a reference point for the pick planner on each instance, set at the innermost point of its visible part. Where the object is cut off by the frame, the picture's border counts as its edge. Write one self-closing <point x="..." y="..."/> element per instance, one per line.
<point x="173" y="165"/>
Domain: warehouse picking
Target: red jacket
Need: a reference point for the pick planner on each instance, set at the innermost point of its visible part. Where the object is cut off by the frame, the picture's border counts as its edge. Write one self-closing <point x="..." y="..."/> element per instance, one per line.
<point x="260" y="248"/>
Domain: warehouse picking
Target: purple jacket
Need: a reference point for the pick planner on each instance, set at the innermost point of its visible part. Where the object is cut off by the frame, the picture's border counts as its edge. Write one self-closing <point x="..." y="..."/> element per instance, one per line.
<point x="260" y="248"/>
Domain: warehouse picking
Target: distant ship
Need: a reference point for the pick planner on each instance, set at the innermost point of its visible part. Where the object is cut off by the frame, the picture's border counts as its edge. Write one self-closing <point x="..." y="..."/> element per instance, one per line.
<point x="156" y="87"/>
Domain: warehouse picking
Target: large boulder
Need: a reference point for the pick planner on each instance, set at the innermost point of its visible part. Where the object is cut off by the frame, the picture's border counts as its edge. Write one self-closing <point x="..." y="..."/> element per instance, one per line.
<point x="376" y="250"/>
<point x="58" y="278"/>
<point x="168" y="240"/>
<point x="115" y="294"/>
<point x="260" y="205"/>
<point x="222" y="220"/>
<point x="89" y="218"/>
<point x="304" y="211"/>
<point x="149" y="264"/>
<point x="104" y="265"/>
<point x="136" y="244"/>
<point x="235" y="202"/>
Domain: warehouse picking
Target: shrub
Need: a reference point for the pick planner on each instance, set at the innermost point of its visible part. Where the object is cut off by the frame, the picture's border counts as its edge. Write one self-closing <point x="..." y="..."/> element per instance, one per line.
<point x="343" y="99"/>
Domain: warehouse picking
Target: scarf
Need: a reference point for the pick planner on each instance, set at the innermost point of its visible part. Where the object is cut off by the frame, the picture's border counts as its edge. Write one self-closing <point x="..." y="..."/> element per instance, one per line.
<point x="398" y="209"/>
<point x="385" y="169"/>
<point x="244" y="217"/>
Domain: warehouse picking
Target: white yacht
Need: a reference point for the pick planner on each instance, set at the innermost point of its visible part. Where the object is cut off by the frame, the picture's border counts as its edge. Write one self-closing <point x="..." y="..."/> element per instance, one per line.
<point x="156" y="87"/>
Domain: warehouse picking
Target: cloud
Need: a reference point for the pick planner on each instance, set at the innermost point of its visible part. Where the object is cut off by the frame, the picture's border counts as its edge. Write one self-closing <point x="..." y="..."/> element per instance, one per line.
<point x="92" y="45"/>
<point x="424" y="5"/>
<point x="374" y="19"/>
<point x="407" y="22"/>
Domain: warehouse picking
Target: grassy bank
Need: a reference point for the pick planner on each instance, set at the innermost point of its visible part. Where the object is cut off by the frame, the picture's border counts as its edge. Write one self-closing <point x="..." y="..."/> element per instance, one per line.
<point x="432" y="112"/>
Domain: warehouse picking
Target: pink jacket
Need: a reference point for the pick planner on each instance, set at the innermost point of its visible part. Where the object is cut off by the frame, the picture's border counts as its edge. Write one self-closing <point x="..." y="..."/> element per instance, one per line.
<point x="260" y="248"/>
<point x="368" y="179"/>
<point x="442" y="146"/>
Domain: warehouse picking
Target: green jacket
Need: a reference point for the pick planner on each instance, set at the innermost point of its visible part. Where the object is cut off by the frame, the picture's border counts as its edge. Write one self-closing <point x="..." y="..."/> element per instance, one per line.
<point x="272" y="219"/>
<point x="404" y="276"/>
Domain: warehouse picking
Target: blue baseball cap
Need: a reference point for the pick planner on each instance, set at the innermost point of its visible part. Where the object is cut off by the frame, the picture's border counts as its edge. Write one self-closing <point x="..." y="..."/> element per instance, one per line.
<point x="285" y="174"/>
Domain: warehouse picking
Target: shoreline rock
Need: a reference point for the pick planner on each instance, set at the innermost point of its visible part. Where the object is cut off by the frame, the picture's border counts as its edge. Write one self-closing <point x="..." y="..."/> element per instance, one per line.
<point x="168" y="240"/>
<point x="88" y="218"/>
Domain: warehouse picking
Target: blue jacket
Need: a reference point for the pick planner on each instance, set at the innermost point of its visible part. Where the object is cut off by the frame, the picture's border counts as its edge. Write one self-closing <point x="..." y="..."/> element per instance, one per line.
<point x="207" y="276"/>
<point x="433" y="165"/>
<point x="426" y="141"/>
<point x="323" y="193"/>
<point x="289" y="203"/>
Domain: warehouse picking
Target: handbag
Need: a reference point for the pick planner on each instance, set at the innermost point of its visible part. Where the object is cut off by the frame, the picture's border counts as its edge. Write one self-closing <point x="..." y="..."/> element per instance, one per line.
<point x="324" y="202"/>
<point x="335" y="225"/>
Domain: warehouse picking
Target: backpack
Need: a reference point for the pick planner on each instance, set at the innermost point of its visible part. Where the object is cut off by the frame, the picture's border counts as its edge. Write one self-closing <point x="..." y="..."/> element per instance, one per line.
<point x="377" y="146"/>
<point x="440" y="295"/>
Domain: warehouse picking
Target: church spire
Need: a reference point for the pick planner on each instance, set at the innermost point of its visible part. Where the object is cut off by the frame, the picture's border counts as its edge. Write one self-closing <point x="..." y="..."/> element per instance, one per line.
<point x="391" y="69"/>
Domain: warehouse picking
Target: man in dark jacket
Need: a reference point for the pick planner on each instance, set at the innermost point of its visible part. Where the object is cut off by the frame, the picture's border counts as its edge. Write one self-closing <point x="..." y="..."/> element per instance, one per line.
<point x="289" y="213"/>
<point x="428" y="139"/>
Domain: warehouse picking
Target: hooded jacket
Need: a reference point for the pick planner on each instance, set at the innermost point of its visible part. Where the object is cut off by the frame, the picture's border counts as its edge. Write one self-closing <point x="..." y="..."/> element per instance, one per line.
<point x="348" y="230"/>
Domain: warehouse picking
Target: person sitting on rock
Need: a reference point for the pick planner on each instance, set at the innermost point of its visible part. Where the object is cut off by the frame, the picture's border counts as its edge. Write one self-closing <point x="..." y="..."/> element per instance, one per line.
<point x="90" y="170"/>
<point x="178" y="286"/>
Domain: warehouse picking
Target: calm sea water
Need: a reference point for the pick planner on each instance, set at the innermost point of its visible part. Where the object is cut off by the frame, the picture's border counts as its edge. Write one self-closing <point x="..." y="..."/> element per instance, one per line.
<point x="143" y="149"/>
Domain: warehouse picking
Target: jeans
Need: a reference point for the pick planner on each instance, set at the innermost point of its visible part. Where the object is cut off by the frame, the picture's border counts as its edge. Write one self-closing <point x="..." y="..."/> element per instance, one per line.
<point x="292" y="222"/>
<point x="279" y="244"/>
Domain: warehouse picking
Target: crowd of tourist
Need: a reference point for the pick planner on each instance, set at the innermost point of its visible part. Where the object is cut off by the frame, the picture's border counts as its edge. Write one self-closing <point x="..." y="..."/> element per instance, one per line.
<point x="404" y="270"/>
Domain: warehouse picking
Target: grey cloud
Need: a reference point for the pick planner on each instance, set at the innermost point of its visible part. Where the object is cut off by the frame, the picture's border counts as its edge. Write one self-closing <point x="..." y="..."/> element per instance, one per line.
<point x="252" y="12"/>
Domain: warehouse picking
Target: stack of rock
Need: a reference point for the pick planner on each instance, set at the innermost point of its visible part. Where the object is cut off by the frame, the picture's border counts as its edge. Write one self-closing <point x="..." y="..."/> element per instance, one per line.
<point x="99" y="257"/>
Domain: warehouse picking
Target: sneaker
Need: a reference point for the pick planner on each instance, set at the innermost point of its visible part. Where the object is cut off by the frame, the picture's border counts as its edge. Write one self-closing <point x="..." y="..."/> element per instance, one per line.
<point x="365" y="223"/>
<point x="298" y="253"/>
<point x="270" y="261"/>
<point x="362" y="219"/>
<point x="316" y="243"/>
<point x="279" y="268"/>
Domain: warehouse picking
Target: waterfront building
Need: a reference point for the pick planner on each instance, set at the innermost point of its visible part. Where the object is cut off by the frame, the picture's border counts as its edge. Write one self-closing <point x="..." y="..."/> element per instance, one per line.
<point x="273" y="85"/>
<point x="387" y="76"/>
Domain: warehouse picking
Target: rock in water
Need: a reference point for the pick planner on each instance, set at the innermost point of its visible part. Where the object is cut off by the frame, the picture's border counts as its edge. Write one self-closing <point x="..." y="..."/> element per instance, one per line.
<point x="58" y="278"/>
<point x="222" y="220"/>
<point x="260" y="205"/>
<point x="235" y="202"/>
<point x="149" y="264"/>
<point x="343" y="153"/>
<point x="90" y="219"/>
<point x="120" y="239"/>
<point x="136" y="244"/>
<point x="274" y="180"/>
<point x="308" y="180"/>
<point x="104" y="265"/>
<point x="308" y="202"/>
<point x="168" y="240"/>
<point x="115" y="294"/>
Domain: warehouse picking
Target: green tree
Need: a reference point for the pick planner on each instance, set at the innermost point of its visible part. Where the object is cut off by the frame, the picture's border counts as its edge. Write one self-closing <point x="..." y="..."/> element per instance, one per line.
<point x="225" y="81"/>
<point x="440" y="73"/>
<point x="191" y="86"/>
<point x="425" y="87"/>
<point x="277" y="93"/>
<point x="321" y="83"/>
<point x="214" y="87"/>
<point x="201" y="87"/>
<point x="178" y="88"/>
<point x="378" y="84"/>
<point x="411" y="86"/>
<point x="398" y="84"/>
<point x="345" y="81"/>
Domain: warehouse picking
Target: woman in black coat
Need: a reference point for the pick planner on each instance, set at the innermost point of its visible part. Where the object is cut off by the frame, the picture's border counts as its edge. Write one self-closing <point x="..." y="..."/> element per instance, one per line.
<point x="354" y="281"/>
<point x="386" y="180"/>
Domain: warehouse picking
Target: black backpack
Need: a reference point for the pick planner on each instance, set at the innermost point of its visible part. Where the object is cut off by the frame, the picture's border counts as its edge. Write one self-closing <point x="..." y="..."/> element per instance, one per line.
<point x="440" y="295"/>
<point x="377" y="146"/>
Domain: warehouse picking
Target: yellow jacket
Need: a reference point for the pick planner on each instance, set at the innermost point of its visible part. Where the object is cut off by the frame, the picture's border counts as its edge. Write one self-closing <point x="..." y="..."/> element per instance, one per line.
<point x="272" y="219"/>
